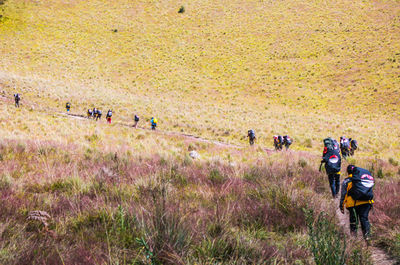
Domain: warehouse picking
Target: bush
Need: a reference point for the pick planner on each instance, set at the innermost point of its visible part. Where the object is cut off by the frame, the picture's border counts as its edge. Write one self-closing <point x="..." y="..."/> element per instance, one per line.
<point x="393" y="162"/>
<point x="216" y="177"/>
<point x="181" y="10"/>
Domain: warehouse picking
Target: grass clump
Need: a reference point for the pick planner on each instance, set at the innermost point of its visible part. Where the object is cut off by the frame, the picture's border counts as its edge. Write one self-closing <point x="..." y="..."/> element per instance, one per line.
<point x="327" y="244"/>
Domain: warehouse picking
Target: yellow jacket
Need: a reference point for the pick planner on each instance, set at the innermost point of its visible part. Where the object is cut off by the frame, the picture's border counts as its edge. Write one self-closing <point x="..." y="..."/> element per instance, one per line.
<point x="345" y="199"/>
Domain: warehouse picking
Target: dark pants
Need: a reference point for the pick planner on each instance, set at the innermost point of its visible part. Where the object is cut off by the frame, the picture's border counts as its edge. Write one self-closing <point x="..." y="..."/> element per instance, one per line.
<point x="357" y="213"/>
<point x="17" y="103"/>
<point x="334" y="183"/>
<point x="251" y="140"/>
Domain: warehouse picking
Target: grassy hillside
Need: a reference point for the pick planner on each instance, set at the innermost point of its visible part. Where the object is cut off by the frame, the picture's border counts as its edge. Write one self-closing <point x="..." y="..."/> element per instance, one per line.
<point x="309" y="69"/>
<point x="111" y="194"/>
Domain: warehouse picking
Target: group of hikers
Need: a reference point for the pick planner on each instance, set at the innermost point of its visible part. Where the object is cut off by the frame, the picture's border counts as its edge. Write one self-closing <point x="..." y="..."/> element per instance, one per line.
<point x="356" y="190"/>
<point x="96" y="114"/>
<point x="348" y="146"/>
<point x="279" y="141"/>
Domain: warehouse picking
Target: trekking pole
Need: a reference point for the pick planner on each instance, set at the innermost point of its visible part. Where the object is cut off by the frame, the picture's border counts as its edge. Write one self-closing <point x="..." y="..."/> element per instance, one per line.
<point x="320" y="167"/>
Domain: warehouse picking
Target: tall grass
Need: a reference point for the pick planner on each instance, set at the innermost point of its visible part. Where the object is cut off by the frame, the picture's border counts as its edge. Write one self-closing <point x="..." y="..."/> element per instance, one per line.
<point x="124" y="209"/>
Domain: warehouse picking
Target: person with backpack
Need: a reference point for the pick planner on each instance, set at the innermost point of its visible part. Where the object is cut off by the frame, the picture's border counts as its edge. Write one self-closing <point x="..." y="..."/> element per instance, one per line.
<point x="332" y="160"/>
<point x="357" y="196"/>
<point x="278" y="141"/>
<point x="344" y="146"/>
<point x="89" y="113"/>
<point x="17" y="98"/>
<point x="287" y="141"/>
<point x="108" y="116"/>
<point x="353" y="146"/>
<point x="98" y="116"/>
<point x="136" y="119"/>
<point x="153" y="123"/>
<point x="252" y="136"/>
<point x="68" y="106"/>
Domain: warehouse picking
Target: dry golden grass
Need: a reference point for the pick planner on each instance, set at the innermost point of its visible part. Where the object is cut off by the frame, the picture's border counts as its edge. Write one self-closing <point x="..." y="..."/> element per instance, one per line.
<point x="308" y="69"/>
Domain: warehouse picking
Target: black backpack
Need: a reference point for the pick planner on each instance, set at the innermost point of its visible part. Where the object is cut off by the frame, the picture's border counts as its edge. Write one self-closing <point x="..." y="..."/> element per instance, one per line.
<point x="363" y="183"/>
<point x="329" y="144"/>
<point x="354" y="144"/>
<point x="136" y="118"/>
<point x="333" y="162"/>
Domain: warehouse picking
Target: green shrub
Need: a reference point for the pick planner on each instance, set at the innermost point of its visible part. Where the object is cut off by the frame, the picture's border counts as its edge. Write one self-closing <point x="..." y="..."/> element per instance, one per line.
<point x="5" y="182"/>
<point x="216" y="177"/>
<point x="327" y="244"/>
<point x="393" y="162"/>
<point x="302" y="163"/>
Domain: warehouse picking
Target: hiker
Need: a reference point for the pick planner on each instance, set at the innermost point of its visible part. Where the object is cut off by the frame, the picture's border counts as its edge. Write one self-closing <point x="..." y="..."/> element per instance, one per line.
<point x="136" y="121"/>
<point x="278" y="140"/>
<point x="353" y="146"/>
<point x="153" y="123"/>
<point x="17" y="98"/>
<point x="287" y="141"/>
<point x="98" y="116"/>
<point x="252" y="136"/>
<point x="332" y="160"/>
<point x="108" y="116"/>
<point x="89" y="113"/>
<point x="68" y="106"/>
<point x="357" y="196"/>
<point x="344" y="146"/>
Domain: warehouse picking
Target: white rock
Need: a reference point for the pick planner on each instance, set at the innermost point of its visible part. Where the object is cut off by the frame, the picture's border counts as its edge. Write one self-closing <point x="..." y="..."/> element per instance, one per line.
<point x="194" y="154"/>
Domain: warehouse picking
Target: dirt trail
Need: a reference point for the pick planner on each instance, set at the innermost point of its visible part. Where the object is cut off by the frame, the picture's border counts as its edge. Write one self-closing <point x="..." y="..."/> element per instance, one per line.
<point x="379" y="257"/>
<point x="190" y="136"/>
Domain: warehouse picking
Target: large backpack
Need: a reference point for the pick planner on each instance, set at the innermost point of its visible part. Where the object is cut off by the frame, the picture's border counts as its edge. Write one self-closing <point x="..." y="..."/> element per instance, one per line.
<point x="333" y="162"/>
<point x="354" y="144"/>
<point x="328" y="144"/>
<point x="331" y="144"/>
<point x="251" y="134"/>
<point x="136" y="118"/>
<point x="362" y="186"/>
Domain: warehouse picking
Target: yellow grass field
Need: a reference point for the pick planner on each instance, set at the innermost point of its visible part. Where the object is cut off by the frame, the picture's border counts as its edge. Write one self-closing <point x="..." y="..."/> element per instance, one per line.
<point x="309" y="69"/>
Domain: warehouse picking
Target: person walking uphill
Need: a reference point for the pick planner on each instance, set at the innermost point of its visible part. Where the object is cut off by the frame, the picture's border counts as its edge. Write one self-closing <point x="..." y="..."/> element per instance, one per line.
<point x="17" y="98"/>
<point x="153" y="123"/>
<point x="136" y="121"/>
<point x="357" y="196"/>
<point x="252" y="136"/>
<point x="68" y="106"/>
<point x="108" y="116"/>
<point x="332" y="160"/>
